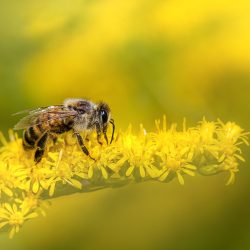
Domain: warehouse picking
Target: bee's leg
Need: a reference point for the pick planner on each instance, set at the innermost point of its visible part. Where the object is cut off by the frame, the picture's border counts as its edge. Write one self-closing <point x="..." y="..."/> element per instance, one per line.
<point x="113" y="129"/>
<point x="98" y="139"/>
<point x="106" y="138"/>
<point x="105" y="135"/>
<point x="81" y="143"/>
<point x="41" y="147"/>
<point x="99" y="133"/>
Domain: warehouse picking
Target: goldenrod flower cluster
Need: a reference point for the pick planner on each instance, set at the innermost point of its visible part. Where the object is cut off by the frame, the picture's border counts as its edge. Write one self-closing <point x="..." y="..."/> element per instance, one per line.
<point x="208" y="148"/>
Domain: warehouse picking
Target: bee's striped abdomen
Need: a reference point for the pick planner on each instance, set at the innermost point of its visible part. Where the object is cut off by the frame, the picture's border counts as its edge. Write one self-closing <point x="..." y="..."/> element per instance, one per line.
<point x="31" y="136"/>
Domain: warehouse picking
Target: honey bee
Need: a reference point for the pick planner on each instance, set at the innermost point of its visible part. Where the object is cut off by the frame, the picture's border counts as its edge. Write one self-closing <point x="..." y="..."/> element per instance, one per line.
<point x="77" y="115"/>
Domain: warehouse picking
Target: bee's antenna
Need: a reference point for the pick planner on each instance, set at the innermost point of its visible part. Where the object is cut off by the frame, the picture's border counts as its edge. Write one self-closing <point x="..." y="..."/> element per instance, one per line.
<point x="113" y="131"/>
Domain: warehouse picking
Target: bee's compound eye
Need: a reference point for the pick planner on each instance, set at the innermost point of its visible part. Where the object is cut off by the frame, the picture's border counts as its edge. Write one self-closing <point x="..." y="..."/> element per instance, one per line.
<point x="104" y="116"/>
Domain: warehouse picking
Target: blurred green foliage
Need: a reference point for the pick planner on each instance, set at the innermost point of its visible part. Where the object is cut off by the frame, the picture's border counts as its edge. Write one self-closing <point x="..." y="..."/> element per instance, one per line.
<point x="145" y="58"/>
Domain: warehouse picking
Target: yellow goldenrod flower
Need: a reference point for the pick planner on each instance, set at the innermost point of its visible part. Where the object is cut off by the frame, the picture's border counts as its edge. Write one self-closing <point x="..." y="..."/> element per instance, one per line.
<point x="14" y="217"/>
<point x="32" y="201"/>
<point x="175" y="160"/>
<point x="137" y="152"/>
<point x="208" y="148"/>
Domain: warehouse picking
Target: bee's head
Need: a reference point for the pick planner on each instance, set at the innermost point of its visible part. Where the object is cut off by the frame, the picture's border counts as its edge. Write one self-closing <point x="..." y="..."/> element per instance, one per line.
<point x="103" y="112"/>
<point x="104" y="115"/>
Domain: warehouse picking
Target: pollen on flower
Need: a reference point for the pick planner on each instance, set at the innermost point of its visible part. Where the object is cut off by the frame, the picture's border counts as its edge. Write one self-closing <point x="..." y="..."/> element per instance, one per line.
<point x="167" y="153"/>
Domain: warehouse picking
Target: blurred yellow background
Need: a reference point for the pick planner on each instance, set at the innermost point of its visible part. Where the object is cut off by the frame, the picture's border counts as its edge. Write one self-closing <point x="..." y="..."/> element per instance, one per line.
<point x="145" y="58"/>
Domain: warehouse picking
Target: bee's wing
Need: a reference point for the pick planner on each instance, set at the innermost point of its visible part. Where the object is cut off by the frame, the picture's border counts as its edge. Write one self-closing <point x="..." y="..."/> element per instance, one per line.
<point x="38" y="110"/>
<point x="32" y="118"/>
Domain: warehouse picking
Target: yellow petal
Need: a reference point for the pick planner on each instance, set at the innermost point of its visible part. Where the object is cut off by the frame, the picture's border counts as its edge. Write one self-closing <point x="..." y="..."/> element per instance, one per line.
<point x="44" y="184"/>
<point x="90" y="172"/>
<point x="31" y="216"/>
<point x="189" y="166"/>
<point x="239" y="157"/>
<point x="25" y="209"/>
<point x="42" y="212"/>
<point x="8" y="207"/>
<point x="245" y="141"/>
<point x="142" y="171"/>
<point x="189" y="172"/>
<point x="35" y="187"/>
<point x="130" y="170"/>
<point x="53" y="156"/>
<point x="2" y="139"/>
<point x="12" y="232"/>
<point x="190" y="156"/>
<point x="2" y="224"/>
<point x="209" y="169"/>
<point x="52" y="189"/>
<point x="164" y="175"/>
<point x="152" y="172"/>
<point x="76" y="183"/>
<point x="82" y="175"/>
<point x="4" y="216"/>
<point x="222" y="157"/>
<point x="180" y="178"/>
<point x="184" y="151"/>
<point x="7" y="191"/>
<point x="231" y="178"/>
<point x="14" y="208"/>
<point x="104" y="173"/>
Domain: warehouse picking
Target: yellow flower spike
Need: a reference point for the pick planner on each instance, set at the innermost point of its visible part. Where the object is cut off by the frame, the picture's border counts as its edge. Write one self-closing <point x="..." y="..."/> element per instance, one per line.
<point x="208" y="148"/>
<point x="3" y="139"/>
